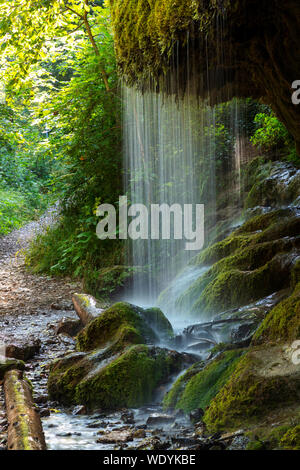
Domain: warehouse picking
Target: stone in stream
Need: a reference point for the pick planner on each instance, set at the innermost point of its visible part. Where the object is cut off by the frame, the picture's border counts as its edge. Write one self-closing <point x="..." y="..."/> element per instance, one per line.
<point x="128" y="417"/>
<point x="118" y="366"/>
<point x="23" y="349"/>
<point x="196" y="415"/>
<point x="157" y="419"/>
<point x="79" y="410"/>
<point x="68" y="326"/>
<point x="114" y="437"/>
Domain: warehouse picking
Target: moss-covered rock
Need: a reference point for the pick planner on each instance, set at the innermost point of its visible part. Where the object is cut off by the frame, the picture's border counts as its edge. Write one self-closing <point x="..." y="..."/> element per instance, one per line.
<point x="283" y="322"/>
<point x="114" y="367"/>
<point x="117" y="327"/>
<point x="271" y="183"/>
<point x="151" y="42"/>
<point x="253" y="262"/>
<point x="127" y="379"/>
<point x="196" y="388"/>
<point x="291" y="439"/>
<point x="155" y="318"/>
<point x="265" y="379"/>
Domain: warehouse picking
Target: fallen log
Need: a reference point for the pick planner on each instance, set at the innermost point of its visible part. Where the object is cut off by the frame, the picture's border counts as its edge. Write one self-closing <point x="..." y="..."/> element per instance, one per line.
<point x="25" y="430"/>
<point x="87" y="307"/>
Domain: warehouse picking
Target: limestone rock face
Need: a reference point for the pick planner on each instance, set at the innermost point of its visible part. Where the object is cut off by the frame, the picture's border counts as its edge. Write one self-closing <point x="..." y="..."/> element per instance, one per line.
<point x="151" y="41"/>
<point x="265" y="379"/>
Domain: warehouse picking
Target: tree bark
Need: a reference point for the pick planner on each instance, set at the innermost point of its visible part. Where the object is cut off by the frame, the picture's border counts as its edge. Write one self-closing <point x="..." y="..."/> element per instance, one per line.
<point x="25" y="430"/>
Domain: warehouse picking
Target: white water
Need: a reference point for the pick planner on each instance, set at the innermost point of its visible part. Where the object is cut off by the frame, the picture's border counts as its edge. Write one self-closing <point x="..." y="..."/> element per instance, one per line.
<point x="171" y="148"/>
<point x="167" y="147"/>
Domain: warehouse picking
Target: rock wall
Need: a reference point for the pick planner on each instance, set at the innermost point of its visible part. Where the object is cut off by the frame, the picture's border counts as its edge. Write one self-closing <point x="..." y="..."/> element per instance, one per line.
<point x="242" y="48"/>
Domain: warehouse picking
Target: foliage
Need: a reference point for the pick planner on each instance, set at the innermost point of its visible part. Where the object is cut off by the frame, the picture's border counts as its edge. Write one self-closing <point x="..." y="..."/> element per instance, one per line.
<point x="13" y="210"/>
<point x="84" y="135"/>
<point x="271" y="134"/>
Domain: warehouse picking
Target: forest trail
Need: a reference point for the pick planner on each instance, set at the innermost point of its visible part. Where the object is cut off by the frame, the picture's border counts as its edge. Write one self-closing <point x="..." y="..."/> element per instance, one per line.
<point x="22" y="292"/>
<point x="31" y="307"/>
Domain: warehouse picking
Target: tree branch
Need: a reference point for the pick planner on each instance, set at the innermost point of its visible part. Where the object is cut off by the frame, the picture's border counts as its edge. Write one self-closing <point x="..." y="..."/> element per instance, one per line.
<point x="95" y="47"/>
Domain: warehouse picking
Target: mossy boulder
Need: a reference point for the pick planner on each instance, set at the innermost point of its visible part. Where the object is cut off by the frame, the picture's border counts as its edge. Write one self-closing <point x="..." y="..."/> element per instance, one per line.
<point x="253" y="262"/>
<point x="271" y="183"/>
<point x="291" y="439"/>
<point x="120" y="325"/>
<point x="283" y="322"/>
<point x="264" y="380"/>
<point x="113" y="366"/>
<point x="127" y="379"/>
<point x="199" y="385"/>
<point x="155" y="318"/>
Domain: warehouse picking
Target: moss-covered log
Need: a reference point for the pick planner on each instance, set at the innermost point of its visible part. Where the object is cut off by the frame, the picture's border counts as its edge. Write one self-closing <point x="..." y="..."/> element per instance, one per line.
<point x="25" y="430"/>
<point x="87" y="307"/>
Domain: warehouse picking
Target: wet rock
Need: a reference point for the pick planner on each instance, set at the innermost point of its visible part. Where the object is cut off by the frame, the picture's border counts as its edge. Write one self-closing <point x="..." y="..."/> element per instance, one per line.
<point x="128" y="417"/>
<point x="41" y="399"/>
<point x="139" y="434"/>
<point x="196" y="415"/>
<point x="69" y="327"/>
<point x="64" y="434"/>
<point x="160" y="419"/>
<point x="115" y="437"/>
<point x="79" y="410"/>
<point x="116" y="360"/>
<point x="87" y="307"/>
<point x="244" y="332"/>
<point x="264" y="378"/>
<point x="200" y="429"/>
<point x="154" y="443"/>
<point x="44" y="412"/>
<point x="23" y="350"/>
<point x="97" y="424"/>
<point x="239" y="443"/>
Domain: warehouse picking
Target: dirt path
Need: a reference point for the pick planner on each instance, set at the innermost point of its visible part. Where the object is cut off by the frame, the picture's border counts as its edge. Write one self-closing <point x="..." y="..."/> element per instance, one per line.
<point x="31" y="306"/>
<point x="22" y="292"/>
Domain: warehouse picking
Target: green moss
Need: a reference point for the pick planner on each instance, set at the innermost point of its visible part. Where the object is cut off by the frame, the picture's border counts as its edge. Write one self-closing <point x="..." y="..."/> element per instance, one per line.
<point x="295" y="277"/>
<point x="64" y="376"/>
<point x="171" y="398"/>
<point x="146" y="31"/>
<point x="155" y="318"/>
<point x="197" y="389"/>
<point x="251" y="392"/>
<point x="124" y="380"/>
<point x="220" y="250"/>
<point x="291" y="439"/>
<point x="283" y="322"/>
<point x="250" y="264"/>
<point x="119" y="325"/>
<point x="235" y="287"/>
<point x="128" y="381"/>
<point x="256" y="445"/>
<point x="10" y="364"/>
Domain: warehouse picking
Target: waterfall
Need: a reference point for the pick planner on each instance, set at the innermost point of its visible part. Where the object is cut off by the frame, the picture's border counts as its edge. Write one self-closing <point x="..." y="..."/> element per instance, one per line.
<point x="171" y="152"/>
